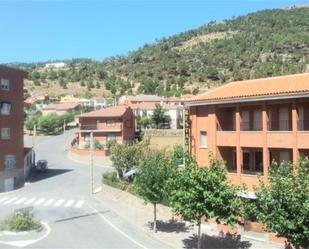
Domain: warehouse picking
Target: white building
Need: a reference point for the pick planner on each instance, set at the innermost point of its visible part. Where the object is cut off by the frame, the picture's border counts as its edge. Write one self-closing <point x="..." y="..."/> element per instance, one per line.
<point x="55" y="64"/>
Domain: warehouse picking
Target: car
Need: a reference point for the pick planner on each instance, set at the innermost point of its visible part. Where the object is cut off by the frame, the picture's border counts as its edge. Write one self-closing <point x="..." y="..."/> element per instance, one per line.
<point x="41" y="165"/>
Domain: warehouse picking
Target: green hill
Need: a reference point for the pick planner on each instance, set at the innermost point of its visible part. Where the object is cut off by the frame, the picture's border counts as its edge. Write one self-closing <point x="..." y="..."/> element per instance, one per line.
<point x="261" y="44"/>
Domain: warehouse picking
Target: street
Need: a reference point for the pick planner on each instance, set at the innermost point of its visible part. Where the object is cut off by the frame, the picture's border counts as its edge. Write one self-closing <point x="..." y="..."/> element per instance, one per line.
<point x="61" y="198"/>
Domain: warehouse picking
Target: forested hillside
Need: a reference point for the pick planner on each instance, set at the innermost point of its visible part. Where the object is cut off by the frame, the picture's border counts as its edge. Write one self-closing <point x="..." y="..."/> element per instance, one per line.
<point x="260" y="44"/>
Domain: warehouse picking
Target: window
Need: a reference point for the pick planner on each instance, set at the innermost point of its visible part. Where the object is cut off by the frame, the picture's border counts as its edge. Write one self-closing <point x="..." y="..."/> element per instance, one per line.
<point x="87" y="137"/>
<point x="204" y="142"/>
<point x="111" y="137"/>
<point x="110" y="123"/>
<point x="246" y="161"/>
<point x="10" y="161"/>
<point x="5" y="108"/>
<point x="258" y="161"/>
<point x="5" y="84"/>
<point x="5" y="133"/>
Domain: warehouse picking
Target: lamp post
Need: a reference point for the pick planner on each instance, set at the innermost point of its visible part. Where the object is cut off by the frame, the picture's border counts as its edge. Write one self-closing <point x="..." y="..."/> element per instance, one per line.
<point x="91" y="162"/>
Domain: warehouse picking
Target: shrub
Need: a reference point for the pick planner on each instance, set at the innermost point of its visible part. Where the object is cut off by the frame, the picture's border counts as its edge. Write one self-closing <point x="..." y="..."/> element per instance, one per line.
<point x="112" y="180"/>
<point x="21" y="222"/>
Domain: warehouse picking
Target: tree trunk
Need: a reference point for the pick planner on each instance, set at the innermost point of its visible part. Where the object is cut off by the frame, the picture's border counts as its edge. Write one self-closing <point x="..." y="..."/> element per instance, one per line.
<point x="155" y="217"/>
<point x="199" y="246"/>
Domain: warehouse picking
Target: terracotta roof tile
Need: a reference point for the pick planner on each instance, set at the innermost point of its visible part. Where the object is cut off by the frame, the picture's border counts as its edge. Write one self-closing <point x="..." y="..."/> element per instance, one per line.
<point x="152" y="106"/>
<point x="268" y="87"/>
<point x="115" y="111"/>
<point x="61" y="106"/>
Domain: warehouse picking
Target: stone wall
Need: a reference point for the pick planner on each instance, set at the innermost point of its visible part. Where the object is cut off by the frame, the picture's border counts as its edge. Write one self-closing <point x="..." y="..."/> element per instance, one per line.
<point x="164" y="138"/>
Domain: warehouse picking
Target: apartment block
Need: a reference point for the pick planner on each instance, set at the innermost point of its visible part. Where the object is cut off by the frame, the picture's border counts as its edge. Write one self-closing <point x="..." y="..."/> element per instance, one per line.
<point x="251" y="123"/>
<point x="11" y="128"/>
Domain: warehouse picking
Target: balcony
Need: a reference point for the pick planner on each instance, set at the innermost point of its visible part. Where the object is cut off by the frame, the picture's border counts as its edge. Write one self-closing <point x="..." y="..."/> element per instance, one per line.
<point x="101" y="127"/>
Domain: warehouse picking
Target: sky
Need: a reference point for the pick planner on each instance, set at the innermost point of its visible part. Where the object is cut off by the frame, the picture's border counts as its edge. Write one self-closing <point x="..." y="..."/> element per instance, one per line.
<point x="33" y="31"/>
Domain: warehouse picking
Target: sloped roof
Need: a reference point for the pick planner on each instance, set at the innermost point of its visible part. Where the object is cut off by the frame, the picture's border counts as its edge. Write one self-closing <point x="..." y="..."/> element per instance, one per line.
<point x="113" y="112"/>
<point x="61" y="106"/>
<point x="146" y="98"/>
<point x="152" y="106"/>
<point x="249" y="89"/>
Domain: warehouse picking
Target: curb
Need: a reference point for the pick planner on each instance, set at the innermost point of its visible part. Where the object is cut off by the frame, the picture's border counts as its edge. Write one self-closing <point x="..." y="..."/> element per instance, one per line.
<point x="84" y="163"/>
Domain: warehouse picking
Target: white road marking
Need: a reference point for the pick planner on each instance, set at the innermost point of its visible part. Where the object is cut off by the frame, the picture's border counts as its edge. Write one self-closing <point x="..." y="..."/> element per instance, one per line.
<point x="49" y="202"/>
<point x="29" y="201"/>
<point x="58" y="203"/>
<point x="40" y="201"/>
<point x="10" y="200"/>
<point x="79" y="204"/>
<point x="69" y="203"/>
<point x="24" y="243"/>
<point x="117" y="229"/>
<point x="3" y="199"/>
<point x="20" y="200"/>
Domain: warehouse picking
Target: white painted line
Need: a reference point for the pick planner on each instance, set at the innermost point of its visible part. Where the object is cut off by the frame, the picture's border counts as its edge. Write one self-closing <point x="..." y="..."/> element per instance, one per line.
<point x="69" y="203"/>
<point x="24" y="243"/>
<point x="58" y="203"/>
<point x="117" y="229"/>
<point x="49" y="202"/>
<point x="10" y="200"/>
<point x="3" y="199"/>
<point x="40" y="201"/>
<point x="29" y="201"/>
<point x="79" y="204"/>
<point x="21" y="200"/>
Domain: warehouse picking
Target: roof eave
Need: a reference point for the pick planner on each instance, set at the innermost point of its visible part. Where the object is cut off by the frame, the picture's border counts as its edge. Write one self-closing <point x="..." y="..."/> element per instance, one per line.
<point x="243" y="100"/>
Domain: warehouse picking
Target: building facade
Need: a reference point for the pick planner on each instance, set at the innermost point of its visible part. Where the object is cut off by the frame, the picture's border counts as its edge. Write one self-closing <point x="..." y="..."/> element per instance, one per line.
<point x="249" y="124"/>
<point x="11" y="127"/>
<point x="108" y="124"/>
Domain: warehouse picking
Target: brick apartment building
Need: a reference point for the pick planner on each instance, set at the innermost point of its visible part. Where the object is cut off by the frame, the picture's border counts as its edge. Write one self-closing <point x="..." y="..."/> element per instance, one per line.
<point x="250" y="123"/>
<point x="11" y="127"/>
<point x="112" y="123"/>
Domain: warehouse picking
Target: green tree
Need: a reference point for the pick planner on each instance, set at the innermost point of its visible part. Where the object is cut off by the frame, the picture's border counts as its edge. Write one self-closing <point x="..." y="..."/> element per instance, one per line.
<point x="159" y="117"/>
<point x="145" y="121"/>
<point x="126" y="156"/>
<point x="283" y="204"/>
<point x="31" y="121"/>
<point x="203" y="193"/>
<point x="151" y="180"/>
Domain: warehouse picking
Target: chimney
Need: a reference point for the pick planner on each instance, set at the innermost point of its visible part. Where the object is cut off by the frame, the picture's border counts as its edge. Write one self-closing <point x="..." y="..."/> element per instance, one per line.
<point x="307" y="69"/>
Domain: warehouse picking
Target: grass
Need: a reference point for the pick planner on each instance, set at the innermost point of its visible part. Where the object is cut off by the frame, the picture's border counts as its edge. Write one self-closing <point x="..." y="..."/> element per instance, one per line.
<point x="112" y="180"/>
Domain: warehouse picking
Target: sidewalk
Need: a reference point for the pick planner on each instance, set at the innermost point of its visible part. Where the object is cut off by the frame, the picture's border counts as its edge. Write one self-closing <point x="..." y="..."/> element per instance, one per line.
<point x="97" y="161"/>
<point x="171" y="232"/>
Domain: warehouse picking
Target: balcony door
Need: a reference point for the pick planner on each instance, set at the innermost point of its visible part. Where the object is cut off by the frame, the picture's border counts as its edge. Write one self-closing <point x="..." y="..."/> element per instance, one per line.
<point x="245" y="117"/>
<point x="301" y="118"/>
<point x="284" y="119"/>
<point x="257" y="120"/>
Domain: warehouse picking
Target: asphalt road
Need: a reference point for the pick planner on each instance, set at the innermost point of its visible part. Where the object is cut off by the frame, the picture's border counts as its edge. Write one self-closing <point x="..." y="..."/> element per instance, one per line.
<point x="60" y="197"/>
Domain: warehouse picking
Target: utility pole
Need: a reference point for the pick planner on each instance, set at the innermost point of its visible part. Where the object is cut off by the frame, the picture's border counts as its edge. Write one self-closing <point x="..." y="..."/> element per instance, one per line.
<point x="91" y="162"/>
<point x="64" y="126"/>
<point x="33" y="143"/>
<point x="184" y="134"/>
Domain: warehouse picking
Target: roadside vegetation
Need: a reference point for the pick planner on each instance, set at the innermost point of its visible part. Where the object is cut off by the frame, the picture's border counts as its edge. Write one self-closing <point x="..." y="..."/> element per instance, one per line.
<point x="202" y="193"/>
<point x="50" y="124"/>
<point x="20" y="222"/>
